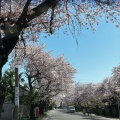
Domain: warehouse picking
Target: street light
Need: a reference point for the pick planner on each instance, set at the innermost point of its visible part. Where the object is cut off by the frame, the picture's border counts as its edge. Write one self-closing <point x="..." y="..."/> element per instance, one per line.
<point x="117" y="90"/>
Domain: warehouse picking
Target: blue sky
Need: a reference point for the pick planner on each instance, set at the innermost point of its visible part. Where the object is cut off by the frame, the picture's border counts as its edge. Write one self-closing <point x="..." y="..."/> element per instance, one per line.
<point x="96" y="54"/>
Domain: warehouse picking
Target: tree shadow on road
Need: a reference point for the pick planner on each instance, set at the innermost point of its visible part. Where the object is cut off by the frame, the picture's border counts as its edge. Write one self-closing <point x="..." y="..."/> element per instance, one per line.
<point x="94" y="118"/>
<point x="90" y="116"/>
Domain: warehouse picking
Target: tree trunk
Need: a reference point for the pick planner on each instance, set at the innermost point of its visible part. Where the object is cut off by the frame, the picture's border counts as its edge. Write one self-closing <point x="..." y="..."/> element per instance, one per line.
<point x="2" y="93"/>
<point x="8" y="44"/>
<point x="2" y="98"/>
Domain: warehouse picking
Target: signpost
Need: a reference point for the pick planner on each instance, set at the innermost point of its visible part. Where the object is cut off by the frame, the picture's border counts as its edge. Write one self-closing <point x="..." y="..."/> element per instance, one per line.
<point x="17" y="96"/>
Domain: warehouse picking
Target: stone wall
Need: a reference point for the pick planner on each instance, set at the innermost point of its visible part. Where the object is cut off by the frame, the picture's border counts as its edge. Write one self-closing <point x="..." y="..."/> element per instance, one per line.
<point x="7" y="113"/>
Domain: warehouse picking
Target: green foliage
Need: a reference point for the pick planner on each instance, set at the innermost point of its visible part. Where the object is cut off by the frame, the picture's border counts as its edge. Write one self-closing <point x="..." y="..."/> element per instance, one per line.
<point x="8" y="81"/>
<point x="39" y="118"/>
<point x="25" y="118"/>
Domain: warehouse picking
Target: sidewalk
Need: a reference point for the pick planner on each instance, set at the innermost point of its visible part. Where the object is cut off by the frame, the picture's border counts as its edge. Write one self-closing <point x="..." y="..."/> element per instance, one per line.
<point x="105" y="117"/>
<point x="93" y="115"/>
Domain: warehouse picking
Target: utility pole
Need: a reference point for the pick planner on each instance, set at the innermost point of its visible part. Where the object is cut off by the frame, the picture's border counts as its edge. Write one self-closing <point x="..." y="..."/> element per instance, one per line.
<point x="16" y="93"/>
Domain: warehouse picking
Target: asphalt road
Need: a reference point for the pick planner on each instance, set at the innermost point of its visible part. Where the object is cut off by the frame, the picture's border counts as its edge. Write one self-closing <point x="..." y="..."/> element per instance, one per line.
<point x="60" y="114"/>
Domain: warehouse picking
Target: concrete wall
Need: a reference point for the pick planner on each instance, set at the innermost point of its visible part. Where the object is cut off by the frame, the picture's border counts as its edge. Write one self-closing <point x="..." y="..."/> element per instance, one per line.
<point x="8" y="111"/>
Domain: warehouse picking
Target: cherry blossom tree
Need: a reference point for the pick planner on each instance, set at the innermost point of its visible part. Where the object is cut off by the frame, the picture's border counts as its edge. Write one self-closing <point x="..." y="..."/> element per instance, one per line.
<point x="110" y="84"/>
<point x="46" y="75"/>
<point x="116" y="76"/>
<point x="85" y="95"/>
<point x="22" y="21"/>
<point x="97" y="95"/>
<point x="53" y="75"/>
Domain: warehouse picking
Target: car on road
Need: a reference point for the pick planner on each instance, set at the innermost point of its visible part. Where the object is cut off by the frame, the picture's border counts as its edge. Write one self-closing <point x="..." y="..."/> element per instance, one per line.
<point x="70" y="109"/>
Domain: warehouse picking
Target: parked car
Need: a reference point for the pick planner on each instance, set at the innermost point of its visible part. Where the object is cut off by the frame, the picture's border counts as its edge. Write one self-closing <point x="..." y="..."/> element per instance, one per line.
<point x="70" y="109"/>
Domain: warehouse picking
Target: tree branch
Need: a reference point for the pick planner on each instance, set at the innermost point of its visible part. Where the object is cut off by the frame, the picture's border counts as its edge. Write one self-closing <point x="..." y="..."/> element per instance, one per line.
<point x="37" y="11"/>
<point x="24" y="13"/>
<point x="51" y="20"/>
